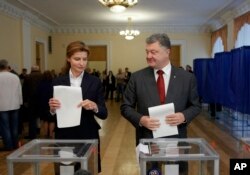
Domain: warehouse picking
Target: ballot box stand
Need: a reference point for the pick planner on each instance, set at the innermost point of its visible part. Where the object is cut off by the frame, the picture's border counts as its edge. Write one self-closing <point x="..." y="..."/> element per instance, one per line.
<point x="55" y="152"/>
<point x="178" y="157"/>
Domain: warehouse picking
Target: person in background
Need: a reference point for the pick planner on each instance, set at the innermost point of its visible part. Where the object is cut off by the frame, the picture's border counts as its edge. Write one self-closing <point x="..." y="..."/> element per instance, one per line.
<point x="23" y="112"/>
<point x="120" y="85"/>
<point x="12" y="70"/>
<point x="23" y="75"/>
<point x="10" y="102"/>
<point x="44" y="92"/>
<point x="93" y="102"/>
<point x="95" y="73"/>
<point x="53" y="73"/>
<point x="189" y="69"/>
<point x="127" y="76"/>
<point x="177" y="87"/>
<point x="88" y="70"/>
<point x="103" y="78"/>
<point x="30" y="87"/>
<point x="110" y="85"/>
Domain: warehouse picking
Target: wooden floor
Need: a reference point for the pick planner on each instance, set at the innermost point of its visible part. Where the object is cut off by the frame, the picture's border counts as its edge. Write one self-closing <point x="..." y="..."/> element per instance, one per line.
<point x="118" y="144"/>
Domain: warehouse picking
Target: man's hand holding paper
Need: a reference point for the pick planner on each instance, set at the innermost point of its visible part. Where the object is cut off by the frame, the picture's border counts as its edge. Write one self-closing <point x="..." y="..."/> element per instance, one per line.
<point x="175" y="119"/>
<point x="150" y="123"/>
<point x="162" y="112"/>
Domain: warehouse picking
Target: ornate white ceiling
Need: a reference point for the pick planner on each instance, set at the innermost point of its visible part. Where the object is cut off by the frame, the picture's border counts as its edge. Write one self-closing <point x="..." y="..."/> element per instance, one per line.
<point x="147" y="15"/>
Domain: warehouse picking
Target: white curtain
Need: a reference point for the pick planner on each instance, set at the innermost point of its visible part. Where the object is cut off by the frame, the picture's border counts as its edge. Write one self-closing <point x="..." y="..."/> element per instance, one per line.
<point x="243" y="38"/>
<point x="218" y="46"/>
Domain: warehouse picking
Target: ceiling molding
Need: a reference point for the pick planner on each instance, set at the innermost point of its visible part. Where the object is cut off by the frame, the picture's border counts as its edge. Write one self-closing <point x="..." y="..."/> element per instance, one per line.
<point x="243" y="8"/>
<point x="10" y="9"/>
<point x="39" y="13"/>
<point x="111" y="29"/>
<point x="88" y="29"/>
<point x="15" y="12"/>
<point x="228" y="15"/>
<point x="218" y="21"/>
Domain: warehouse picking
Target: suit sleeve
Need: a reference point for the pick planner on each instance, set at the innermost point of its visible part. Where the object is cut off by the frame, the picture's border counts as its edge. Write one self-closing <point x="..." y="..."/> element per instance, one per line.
<point x="193" y="106"/>
<point x="129" y="103"/>
<point x="100" y="101"/>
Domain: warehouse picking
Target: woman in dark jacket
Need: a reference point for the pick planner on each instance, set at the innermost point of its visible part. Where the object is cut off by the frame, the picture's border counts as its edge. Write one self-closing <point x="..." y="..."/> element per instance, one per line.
<point x="93" y="102"/>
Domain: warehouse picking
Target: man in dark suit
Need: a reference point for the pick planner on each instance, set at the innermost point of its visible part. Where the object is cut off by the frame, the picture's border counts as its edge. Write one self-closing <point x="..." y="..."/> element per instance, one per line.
<point x="141" y="92"/>
<point x="127" y="75"/>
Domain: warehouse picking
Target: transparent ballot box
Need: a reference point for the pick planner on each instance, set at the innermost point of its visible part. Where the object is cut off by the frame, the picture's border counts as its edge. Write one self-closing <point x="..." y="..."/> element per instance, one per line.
<point x="49" y="156"/>
<point x="166" y="156"/>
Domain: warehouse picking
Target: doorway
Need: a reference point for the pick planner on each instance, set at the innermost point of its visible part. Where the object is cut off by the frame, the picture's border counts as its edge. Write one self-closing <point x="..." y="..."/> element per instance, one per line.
<point x="175" y="55"/>
<point x="40" y="57"/>
<point x="98" y="58"/>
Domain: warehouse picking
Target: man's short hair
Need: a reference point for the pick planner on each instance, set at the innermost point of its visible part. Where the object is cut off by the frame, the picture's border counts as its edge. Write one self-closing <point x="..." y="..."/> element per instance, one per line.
<point x="3" y="64"/>
<point x="162" y="38"/>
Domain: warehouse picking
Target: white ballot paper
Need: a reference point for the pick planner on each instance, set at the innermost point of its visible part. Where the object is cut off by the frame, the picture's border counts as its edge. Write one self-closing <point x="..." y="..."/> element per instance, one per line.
<point x="141" y="148"/>
<point x="160" y="112"/>
<point x="68" y="115"/>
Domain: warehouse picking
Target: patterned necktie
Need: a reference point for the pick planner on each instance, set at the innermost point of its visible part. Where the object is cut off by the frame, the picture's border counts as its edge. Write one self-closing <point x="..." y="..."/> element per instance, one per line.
<point x="161" y="86"/>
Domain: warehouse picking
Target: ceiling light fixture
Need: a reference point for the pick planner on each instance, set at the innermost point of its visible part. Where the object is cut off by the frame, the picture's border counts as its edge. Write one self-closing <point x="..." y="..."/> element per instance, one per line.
<point x="118" y="6"/>
<point x="129" y="33"/>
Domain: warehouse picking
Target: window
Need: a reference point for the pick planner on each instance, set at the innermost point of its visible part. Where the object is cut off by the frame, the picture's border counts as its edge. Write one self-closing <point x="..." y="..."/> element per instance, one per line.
<point x="218" y="46"/>
<point x="242" y="37"/>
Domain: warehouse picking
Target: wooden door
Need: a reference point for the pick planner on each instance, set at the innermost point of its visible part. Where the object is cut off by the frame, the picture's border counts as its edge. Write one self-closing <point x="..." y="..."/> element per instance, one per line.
<point x="175" y="55"/>
<point x="40" y="58"/>
<point x="98" y="58"/>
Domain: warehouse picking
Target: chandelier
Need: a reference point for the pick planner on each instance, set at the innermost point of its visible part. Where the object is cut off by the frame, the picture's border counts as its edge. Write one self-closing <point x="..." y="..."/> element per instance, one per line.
<point x="118" y="6"/>
<point x="129" y="33"/>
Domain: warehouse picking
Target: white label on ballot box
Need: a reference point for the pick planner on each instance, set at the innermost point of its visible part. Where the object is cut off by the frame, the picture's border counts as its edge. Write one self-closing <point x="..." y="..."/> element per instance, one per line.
<point x="172" y="169"/>
<point x="66" y="170"/>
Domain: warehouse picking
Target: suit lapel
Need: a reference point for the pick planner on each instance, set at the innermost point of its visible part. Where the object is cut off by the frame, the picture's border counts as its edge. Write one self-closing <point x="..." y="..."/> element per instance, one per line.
<point x="65" y="80"/>
<point x="151" y="86"/>
<point x="172" y="86"/>
<point x="85" y="83"/>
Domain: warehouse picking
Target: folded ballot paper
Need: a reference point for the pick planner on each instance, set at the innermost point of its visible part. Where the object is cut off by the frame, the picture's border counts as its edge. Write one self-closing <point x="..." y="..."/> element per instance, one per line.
<point x="160" y="112"/>
<point x="68" y="115"/>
